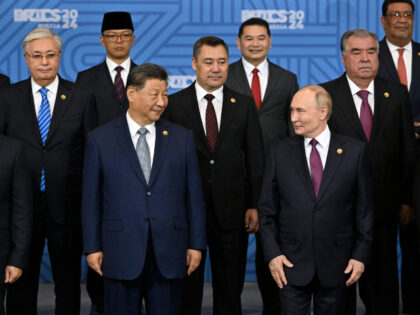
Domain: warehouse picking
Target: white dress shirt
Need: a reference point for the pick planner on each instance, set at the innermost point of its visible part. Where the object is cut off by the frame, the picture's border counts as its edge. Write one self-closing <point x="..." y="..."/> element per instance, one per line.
<point x="133" y="127"/>
<point x="51" y="94"/>
<point x="358" y="100"/>
<point x="124" y="72"/>
<point x="202" y="103"/>
<point x="322" y="147"/>
<point x="408" y="56"/>
<point x="262" y="74"/>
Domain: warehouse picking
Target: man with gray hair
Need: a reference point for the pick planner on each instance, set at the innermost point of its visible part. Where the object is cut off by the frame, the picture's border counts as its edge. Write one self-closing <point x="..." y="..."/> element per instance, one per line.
<point x="377" y="111"/>
<point x="316" y="210"/>
<point x="50" y="116"/>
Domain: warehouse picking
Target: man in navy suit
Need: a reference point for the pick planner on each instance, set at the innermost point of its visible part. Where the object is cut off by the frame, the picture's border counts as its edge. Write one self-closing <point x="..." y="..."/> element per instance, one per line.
<point x="143" y="209"/>
<point x="316" y="210"/>
<point x="399" y="61"/>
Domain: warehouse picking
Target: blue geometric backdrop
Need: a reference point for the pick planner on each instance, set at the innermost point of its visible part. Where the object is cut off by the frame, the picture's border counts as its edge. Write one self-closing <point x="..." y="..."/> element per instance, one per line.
<point x="306" y="35"/>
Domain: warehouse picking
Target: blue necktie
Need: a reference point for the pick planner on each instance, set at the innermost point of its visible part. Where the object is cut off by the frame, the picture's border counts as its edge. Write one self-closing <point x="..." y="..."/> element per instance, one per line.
<point x="44" y="120"/>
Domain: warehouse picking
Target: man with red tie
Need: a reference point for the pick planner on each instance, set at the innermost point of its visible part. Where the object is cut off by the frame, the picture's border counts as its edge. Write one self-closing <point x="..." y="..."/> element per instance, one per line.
<point x="377" y="111"/>
<point x="399" y="61"/>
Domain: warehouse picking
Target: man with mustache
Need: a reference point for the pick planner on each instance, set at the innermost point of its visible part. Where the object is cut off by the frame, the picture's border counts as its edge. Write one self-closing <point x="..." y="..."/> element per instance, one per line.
<point x="377" y="111"/>
<point x="399" y="61"/>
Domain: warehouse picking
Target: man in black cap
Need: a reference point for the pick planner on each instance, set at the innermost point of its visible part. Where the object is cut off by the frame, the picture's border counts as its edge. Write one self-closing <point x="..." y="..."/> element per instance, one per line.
<point x="106" y="82"/>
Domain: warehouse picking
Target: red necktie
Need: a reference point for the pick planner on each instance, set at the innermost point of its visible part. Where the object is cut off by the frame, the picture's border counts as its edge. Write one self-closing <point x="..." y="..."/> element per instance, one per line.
<point x="211" y="122"/>
<point x="256" y="88"/>
<point x="316" y="167"/>
<point x="365" y="113"/>
<point x="118" y="83"/>
<point x="402" y="72"/>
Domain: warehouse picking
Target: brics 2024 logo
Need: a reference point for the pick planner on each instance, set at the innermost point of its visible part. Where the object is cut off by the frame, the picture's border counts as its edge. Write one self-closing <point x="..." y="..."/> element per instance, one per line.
<point x="51" y="18"/>
<point x="278" y="19"/>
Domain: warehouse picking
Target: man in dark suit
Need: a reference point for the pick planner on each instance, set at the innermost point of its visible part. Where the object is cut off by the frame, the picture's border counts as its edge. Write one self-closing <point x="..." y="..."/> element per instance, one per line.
<point x="316" y="210"/>
<point x="49" y="116"/>
<point x="16" y="214"/>
<point x="377" y="111"/>
<point x="399" y="61"/>
<point x="107" y="87"/>
<point x="143" y="208"/>
<point x="4" y="80"/>
<point x="272" y="88"/>
<point x="230" y="153"/>
<point x="106" y="81"/>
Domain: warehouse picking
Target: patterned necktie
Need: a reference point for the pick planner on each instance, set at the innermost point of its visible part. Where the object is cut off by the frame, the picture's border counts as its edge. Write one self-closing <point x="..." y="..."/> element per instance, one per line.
<point x="211" y="122"/>
<point x="402" y="71"/>
<point x="365" y="113"/>
<point x="118" y="83"/>
<point x="143" y="153"/>
<point x="316" y="167"/>
<point x="44" y="120"/>
<point x="256" y="88"/>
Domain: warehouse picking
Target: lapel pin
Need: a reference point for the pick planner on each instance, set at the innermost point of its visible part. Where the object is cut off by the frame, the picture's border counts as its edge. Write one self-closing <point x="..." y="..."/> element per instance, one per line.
<point x="63" y="97"/>
<point x="165" y="133"/>
<point x="418" y="54"/>
<point x="233" y="100"/>
<point x="386" y="94"/>
<point x="339" y="151"/>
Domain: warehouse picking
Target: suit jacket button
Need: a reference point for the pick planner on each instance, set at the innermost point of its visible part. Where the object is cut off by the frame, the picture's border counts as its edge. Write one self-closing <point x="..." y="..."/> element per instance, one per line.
<point x="149" y="193"/>
<point x="211" y="162"/>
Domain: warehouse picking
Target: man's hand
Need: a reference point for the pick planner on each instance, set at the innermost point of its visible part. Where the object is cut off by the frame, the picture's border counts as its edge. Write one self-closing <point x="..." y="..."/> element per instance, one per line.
<point x="357" y="269"/>
<point x="95" y="261"/>
<point x="417" y="124"/>
<point x="12" y="274"/>
<point x="251" y="221"/>
<point x="193" y="260"/>
<point x="277" y="270"/>
<point x="406" y="214"/>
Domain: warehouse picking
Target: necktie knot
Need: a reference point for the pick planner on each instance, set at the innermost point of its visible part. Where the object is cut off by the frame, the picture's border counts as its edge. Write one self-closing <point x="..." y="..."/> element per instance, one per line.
<point x="209" y="97"/>
<point x="142" y="131"/>
<point x="255" y="71"/>
<point x="43" y="91"/>
<point x="401" y="51"/>
<point x="313" y="142"/>
<point x="118" y="69"/>
<point x="363" y="94"/>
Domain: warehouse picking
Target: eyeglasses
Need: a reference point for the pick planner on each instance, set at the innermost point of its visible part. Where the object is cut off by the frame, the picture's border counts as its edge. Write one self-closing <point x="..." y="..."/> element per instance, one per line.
<point x="125" y="37"/>
<point x="396" y="15"/>
<point x="40" y="57"/>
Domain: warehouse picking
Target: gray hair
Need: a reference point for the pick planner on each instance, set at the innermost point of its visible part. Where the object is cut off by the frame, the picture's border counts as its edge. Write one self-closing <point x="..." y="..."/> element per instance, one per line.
<point x="360" y="33"/>
<point x="147" y="71"/>
<point x="322" y="97"/>
<point x="42" y="32"/>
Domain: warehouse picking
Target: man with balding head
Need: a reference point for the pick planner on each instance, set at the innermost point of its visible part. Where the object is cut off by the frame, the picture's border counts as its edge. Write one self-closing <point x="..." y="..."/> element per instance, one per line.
<point x="313" y="250"/>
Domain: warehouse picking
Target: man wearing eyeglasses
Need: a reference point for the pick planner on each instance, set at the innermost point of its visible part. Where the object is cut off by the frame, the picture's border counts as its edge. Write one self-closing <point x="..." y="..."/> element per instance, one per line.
<point x="399" y="60"/>
<point x="50" y="116"/>
<point x="107" y="82"/>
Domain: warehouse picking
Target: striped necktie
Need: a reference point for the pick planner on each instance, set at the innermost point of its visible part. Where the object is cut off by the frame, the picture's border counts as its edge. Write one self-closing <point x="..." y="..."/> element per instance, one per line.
<point x="118" y="83"/>
<point x="44" y="120"/>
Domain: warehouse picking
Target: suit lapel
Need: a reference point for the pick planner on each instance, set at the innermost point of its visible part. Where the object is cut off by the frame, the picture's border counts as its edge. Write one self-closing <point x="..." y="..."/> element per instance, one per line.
<point x="387" y="62"/>
<point x="271" y="82"/>
<point x="415" y="68"/>
<point x="162" y="139"/>
<point x="26" y="98"/>
<point x="62" y="100"/>
<point x="298" y="157"/>
<point x="123" y="138"/>
<point x="228" y="111"/>
<point x="381" y="106"/>
<point x="105" y="78"/>
<point x="334" y="159"/>
<point x="242" y="78"/>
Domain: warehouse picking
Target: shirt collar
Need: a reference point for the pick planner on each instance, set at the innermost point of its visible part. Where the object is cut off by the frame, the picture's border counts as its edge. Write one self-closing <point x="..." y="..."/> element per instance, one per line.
<point x="393" y="48"/>
<point x="53" y="86"/>
<point x="262" y="67"/>
<point x="218" y="94"/>
<point x="323" y="138"/>
<point x="125" y="64"/>
<point x="354" y="88"/>
<point x="133" y="127"/>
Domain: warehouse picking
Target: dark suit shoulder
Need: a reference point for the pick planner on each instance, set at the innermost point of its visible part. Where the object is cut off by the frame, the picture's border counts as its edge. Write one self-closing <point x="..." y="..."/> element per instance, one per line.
<point x="175" y="127"/>
<point x="240" y="98"/>
<point x="348" y="140"/>
<point x="88" y="73"/>
<point x="276" y="68"/>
